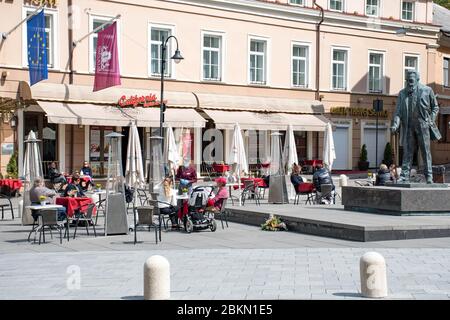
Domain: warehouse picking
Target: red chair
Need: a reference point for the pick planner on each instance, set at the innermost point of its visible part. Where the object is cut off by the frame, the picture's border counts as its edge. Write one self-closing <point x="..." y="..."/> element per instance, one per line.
<point x="307" y="189"/>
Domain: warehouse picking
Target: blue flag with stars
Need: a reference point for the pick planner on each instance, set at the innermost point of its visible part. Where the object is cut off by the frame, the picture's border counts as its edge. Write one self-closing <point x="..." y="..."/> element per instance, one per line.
<point x="37" y="48"/>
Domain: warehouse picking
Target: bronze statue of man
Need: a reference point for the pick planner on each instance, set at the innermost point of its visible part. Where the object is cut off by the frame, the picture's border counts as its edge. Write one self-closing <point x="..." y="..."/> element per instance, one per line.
<point x="416" y="113"/>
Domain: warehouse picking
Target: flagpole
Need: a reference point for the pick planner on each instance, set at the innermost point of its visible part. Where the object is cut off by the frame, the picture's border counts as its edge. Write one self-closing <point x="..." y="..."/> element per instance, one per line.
<point x="6" y="34"/>
<point x="95" y="30"/>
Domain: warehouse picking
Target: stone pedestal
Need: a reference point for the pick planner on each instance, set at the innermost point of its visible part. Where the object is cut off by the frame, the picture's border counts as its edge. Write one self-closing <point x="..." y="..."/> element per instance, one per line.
<point x="409" y="199"/>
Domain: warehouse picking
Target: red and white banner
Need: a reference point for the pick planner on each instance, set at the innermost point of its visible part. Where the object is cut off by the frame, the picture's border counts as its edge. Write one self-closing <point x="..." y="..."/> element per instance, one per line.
<point x="107" y="73"/>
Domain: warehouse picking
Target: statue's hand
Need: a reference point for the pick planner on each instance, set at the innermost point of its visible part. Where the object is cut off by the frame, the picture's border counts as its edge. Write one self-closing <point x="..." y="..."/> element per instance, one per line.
<point x="394" y="129"/>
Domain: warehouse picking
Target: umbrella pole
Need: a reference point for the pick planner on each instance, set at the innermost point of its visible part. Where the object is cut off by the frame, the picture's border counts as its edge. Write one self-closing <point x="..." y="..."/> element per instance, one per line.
<point x="239" y="183"/>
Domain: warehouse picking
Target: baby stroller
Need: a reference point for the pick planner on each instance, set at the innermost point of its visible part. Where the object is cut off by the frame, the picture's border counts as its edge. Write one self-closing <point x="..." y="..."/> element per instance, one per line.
<point x="198" y="218"/>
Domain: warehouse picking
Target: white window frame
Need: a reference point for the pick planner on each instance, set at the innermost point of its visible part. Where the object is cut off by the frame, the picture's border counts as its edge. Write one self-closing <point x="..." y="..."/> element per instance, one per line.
<point x="443" y="79"/>
<point x="347" y="69"/>
<point x="221" y="54"/>
<point x="171" y="45"/>
<point x="103" y="18"/>
<point x="308" y="62"/>
<point x="372" y="15"/>
<point x="343" y="6"/>
<point x="297" y="4"/>
<point x="413" y="10"/>
<point x="55" y="37"/>
<point x="383" y="73"/>
<point x="416" y="55"/>
<point x="266" y="60"/>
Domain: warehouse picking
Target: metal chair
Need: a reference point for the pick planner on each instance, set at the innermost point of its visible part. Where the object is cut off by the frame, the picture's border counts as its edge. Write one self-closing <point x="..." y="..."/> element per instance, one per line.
<point x="142" y="196"/>
<point x="326" y="192"/>
<point x="49" y="218"/>
<point x="250" y="192"/>
<point x="144" y="217"/>
<point x="100" y="206"/>
<point x="87" y="218"/>
<point x="223" y="213"/>
<point x="7" y="206"/>
<point x="157" y="212"/>
<point x="304" y="189"/>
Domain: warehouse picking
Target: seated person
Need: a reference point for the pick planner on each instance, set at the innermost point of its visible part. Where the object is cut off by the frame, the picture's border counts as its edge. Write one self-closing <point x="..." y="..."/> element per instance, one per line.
<point x="168" y="197"/>
<point x="86" y="172"/>
<point x="296" y="179"/>
<point x="38" y="190"/>
<point x="383" y="175"/>
<point x="266" y="180"/>
<point x="74" y="188"/>
<point x="54" y="174"/>
<point x="187" y="175"/>
<point x="395" y="174"/>
<point x="215" y="203"/>
<point x="322" y="176"/>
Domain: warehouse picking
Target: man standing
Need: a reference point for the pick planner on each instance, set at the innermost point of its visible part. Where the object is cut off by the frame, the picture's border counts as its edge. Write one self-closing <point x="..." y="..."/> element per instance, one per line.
<point x="416" y="114"/>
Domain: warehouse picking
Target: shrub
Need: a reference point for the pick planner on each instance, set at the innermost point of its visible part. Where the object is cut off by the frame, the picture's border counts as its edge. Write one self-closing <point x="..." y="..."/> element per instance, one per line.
<point x="388" y="155"/>
<point x="12" y="168"/>
<point x="363" y="154"/>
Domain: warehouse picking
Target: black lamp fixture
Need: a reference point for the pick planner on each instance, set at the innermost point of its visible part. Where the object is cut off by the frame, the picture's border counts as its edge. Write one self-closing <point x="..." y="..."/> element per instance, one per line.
<point x="13" y="121"/>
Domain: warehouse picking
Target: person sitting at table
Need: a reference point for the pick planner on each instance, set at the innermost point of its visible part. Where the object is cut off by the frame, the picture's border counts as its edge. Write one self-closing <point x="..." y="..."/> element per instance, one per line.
<point x="186" y="174"/>
<point x="322" y="176"/>
<point x="296" y="179"/>
<point x="383" y="175"/>
<point x="86" y="172"/>
<point x="215" y="203"/>
<point x="39" y="190"/>
<point x="168" y="198"/>
<point x="54" y="174"/>
<point x="74" y="188"/>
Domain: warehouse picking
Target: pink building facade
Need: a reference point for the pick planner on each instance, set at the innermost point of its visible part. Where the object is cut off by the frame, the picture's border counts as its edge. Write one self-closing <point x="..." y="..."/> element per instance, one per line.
<point x="263" y="64"/>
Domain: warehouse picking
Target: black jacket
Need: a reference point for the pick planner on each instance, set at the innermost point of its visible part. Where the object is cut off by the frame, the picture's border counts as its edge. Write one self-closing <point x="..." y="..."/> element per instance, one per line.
<point x="383" y="176"/>
<point x="296" y="180"/>
<point x="86" y="171"/>
<point x="322" y="176"/>
<point x="53" y="173"/>
<point x="71" y="187"/>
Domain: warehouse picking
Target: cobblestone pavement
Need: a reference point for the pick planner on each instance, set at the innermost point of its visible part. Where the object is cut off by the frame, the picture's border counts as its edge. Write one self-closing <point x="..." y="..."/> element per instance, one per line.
<point x="239" y="262"/>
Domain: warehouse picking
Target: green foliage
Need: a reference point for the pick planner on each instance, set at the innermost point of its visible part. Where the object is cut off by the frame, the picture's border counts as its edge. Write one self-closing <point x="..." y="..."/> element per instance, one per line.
<point x="388" y="155"/>
<point x="363" y="154"/>
<point x="443" y="3"/>
<point x="274" y="223"/>
<point x="12" y="168"/>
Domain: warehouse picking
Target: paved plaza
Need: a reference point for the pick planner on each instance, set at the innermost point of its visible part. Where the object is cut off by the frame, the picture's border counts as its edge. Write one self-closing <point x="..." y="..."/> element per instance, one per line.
<point x="239" y="262"/>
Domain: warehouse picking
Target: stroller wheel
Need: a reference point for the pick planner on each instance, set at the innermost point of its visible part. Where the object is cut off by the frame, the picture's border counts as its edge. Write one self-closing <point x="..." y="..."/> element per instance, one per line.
<point x="189" y="226"/>
<point x="213" y="225"/>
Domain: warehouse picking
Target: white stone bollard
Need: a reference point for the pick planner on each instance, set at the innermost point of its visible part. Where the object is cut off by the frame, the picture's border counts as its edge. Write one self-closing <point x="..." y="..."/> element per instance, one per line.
<point x="156" y="278"/>
<point x="343" y="180"/>
<point x="373" y="275"/>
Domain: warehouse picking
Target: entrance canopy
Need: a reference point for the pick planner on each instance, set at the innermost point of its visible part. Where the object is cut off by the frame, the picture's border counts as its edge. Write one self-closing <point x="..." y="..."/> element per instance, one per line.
<point x="78" y="105"/>
<point x="267" y="121"/>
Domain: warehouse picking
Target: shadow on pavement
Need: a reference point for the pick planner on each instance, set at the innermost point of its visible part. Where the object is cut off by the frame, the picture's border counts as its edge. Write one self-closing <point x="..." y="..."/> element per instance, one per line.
<point x="132" y="298"/>
<point x="348" y="294"/>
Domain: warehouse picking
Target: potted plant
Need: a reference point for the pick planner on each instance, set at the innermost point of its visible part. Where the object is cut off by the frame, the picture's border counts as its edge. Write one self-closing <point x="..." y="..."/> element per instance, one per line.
<point x="273" y="224"/>
<point x="363" y="164"/>
<point x="388" y="155"/>
<point x="98" y="186"/>
<point x="185" y="191"/>
<point x="43" y="199"/>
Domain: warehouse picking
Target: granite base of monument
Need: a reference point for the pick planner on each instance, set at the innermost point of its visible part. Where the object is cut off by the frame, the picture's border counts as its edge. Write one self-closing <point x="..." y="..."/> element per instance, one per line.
<point x="415" y="199"/>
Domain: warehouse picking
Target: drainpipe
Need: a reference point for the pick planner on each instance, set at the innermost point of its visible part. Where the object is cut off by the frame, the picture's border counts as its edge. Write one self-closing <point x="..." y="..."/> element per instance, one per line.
<point x="318" y="65"/>
<point x="70" y="38"/>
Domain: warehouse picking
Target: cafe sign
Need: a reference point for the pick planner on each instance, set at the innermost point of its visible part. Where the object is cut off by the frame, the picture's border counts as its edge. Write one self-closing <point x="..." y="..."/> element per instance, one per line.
<point x="357" y="112"/>
<point x="139" y="101"/>
<point x="38" y="3"/>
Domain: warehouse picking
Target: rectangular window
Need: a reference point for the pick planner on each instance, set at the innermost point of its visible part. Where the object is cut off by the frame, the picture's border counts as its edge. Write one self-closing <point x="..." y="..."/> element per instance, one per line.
<point x="95" y="23"/>
<point x="212" y="57"/>
<point x="258" y="62"/>
<point x="372" y="8"/>
<point x="411" y="63"/>
<point x="375" y="72"/>
<point x="407" y="10"/>
<point x="98" y="149"/>
<point x="300" y="66"/>
<point x="339" y="67"/>
<point x="49" y="37"/>
<point x="446" y="70"/>
<point x="298" y="2"/>
<point x="156" y="36"/>
<point x="336" y="5"/>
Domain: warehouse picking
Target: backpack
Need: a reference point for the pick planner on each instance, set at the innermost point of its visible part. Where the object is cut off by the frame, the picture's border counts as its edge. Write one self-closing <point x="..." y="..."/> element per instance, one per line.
<point x="129" y="192"/>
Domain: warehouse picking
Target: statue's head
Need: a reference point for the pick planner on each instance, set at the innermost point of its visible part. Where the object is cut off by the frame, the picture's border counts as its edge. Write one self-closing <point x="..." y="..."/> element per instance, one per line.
<point x="412" y="78"/>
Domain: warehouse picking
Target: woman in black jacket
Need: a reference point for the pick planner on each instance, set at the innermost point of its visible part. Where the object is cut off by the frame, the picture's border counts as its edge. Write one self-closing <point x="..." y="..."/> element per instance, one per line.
<point x="383" y="175"/>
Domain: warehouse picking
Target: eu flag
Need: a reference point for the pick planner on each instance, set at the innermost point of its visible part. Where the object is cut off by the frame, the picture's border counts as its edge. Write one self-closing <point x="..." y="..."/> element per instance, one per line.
<point x="37" y="48"/>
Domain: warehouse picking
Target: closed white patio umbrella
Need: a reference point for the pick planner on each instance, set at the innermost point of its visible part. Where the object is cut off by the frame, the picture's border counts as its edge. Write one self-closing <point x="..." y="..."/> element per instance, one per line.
<point x="237" y="155"/>
<point x="329" y="153"/>
<point x="290" y="157"/>
<point x="171" y="152"/>
<point x="32" y="169"/>
<point x="134" y="169"/>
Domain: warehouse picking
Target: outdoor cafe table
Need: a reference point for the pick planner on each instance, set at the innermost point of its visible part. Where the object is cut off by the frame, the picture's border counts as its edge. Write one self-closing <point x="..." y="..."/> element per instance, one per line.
<point x="12" y="185"/>
<point x="74" y="203"/>
<point x="258" y="182"/>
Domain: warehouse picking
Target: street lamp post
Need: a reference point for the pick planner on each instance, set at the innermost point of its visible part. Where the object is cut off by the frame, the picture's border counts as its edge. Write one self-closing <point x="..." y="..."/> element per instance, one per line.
<point x="177" y="58"/>
<point x="377" y="107"/>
